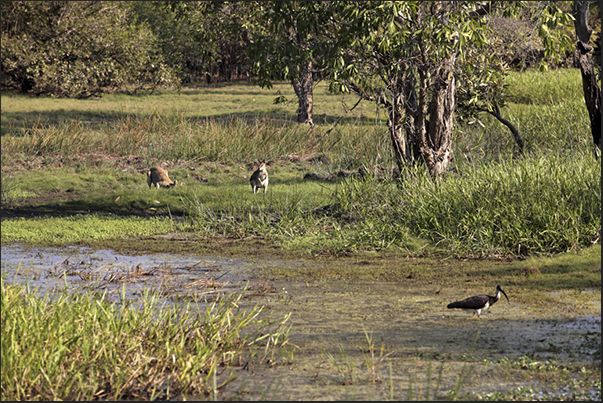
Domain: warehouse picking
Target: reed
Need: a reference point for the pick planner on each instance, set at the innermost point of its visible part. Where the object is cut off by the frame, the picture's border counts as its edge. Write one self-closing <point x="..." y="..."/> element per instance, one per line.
<point x="78" y="347"/>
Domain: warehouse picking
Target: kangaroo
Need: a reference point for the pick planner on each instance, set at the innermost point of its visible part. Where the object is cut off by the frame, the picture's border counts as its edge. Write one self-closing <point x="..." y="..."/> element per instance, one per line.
<point x="159" y="177"/>
<point x="259" y="179"/>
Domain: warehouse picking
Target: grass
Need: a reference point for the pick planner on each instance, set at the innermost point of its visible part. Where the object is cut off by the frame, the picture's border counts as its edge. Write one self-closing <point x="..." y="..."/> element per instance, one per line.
<point x="212" y="124"/>
<point x="158" y="138"/>
<point x="549" y="112"/>
<point x="218" y="102"/>
<point x="80" y="347"/>
<point x="64" y="159"/>
<point x="239" y="122"/>
<point x="513" y="207"/>
<point x="544" y="88"/>
<point x="83" y="228"/>
<point x="536" y="204"/>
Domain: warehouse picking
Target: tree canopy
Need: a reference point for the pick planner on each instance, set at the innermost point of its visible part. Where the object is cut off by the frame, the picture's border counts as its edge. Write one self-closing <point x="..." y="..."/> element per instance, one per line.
<point x="78" y="49"/>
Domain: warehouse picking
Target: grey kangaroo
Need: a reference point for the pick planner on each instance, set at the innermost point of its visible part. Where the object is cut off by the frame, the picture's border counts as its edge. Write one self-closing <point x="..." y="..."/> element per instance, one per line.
<point x="259" y="179"/>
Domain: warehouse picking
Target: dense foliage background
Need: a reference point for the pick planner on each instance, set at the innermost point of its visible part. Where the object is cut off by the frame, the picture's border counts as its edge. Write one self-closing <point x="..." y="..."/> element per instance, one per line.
<point x="79" y="49"/>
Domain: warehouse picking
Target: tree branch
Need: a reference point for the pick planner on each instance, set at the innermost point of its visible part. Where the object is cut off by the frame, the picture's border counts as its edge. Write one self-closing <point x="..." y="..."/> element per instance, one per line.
<point x="496" y="113"/>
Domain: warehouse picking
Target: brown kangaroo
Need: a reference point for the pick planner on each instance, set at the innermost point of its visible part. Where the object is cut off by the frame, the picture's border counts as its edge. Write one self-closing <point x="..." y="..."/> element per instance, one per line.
<point x="158" y="177"/>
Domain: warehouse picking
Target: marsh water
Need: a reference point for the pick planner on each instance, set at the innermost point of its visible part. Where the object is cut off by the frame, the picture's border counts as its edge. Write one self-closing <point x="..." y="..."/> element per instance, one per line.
<point x="349" y="339"/>
<point x="123" y="276"/>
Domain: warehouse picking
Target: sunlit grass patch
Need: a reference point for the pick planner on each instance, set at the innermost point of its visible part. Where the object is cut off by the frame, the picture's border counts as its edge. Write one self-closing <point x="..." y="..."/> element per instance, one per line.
<point x="82" y="227"/>
<point x="547" y="109"/>
<point x="550" y="87"/>
<point x="572" y="270"/>
<point x="78" y="347"/>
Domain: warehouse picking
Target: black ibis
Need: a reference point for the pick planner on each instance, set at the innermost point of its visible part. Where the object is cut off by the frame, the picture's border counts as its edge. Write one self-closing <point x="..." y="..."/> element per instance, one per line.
<point x="478" y="302"/>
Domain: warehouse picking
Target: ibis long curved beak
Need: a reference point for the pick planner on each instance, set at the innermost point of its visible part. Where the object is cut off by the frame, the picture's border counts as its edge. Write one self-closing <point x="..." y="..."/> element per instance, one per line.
<point x="505" y="294"/>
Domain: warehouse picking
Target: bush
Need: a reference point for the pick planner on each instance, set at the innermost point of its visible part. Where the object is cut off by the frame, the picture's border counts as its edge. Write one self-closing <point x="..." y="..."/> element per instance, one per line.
<point x="77" y="49"/>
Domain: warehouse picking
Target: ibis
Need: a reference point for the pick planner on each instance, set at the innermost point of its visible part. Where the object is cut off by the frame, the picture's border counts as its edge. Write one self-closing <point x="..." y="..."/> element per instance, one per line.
<point x="478" y="302"/>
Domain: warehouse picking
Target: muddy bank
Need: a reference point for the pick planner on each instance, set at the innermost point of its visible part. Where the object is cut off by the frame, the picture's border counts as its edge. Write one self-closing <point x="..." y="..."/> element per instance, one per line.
<point x="366" y="340"/>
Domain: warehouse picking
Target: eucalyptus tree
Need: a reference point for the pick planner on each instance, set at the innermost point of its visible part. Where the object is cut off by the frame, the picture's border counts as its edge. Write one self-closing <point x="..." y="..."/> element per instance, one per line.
<point x="405" y="56"/>
<point x="293" y="42"/>
<point x="420" y="60"/>
<point x="589" y="60"/>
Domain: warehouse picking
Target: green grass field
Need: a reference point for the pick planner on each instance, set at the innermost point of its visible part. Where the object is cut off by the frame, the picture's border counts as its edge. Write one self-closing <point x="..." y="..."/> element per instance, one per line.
<point x="70" y="156"/>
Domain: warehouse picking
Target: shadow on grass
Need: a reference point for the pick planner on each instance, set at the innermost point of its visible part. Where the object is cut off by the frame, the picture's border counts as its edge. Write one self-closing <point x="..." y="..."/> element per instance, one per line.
<point x="100" y="205"/>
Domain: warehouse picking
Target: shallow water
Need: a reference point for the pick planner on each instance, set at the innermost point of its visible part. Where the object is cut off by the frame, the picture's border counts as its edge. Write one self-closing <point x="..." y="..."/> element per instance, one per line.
<point x="119" y="275"/>
<point x="349" y="339"/>
<point x="412" y="324"/>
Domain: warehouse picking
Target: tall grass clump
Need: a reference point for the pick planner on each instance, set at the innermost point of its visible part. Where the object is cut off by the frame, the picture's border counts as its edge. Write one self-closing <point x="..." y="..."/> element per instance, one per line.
<point x="76" y="347"/>
<point x="531" y="205"/>
<point x="178" y="137"/>
<point x="44" y="140"/>
<point x="365" y="217"/>
<point x="534" y="204"/>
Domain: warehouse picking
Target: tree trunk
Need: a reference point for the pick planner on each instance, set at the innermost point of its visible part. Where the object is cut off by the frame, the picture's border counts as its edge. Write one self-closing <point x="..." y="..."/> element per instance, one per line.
<point x="592" y="91"/>
<point x="401" y="121"/>
<point x="303" y="86"/>
<point x="435" y="143"/>
<point x="428" y="119"/>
